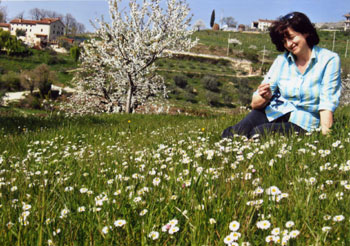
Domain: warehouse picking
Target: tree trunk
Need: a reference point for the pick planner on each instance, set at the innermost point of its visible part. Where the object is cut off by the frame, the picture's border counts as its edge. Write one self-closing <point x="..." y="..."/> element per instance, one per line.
<point x="128" y="108"/>
<point x="128" y="101"/>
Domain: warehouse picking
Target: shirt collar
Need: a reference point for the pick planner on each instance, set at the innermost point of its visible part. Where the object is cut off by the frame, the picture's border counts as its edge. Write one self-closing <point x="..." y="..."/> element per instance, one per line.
<point x="314" y="54"/>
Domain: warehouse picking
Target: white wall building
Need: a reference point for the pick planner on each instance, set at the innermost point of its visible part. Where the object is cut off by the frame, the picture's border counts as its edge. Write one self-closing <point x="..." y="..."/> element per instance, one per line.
<point x="5" y="26"/>
<point x="262" y="25"/>
<point x="44" y="30"/>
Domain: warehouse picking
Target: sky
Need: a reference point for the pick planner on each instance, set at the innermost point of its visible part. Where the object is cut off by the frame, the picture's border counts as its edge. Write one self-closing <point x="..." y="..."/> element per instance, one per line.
<point x="243" y="11"/>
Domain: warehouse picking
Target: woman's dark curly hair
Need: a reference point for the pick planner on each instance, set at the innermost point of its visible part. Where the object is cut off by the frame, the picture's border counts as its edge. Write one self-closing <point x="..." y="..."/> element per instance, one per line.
<point x="297" y="21"/>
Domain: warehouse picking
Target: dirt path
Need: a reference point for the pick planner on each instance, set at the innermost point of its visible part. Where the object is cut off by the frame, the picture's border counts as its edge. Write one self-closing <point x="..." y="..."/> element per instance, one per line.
<point x="201" y="73"/>
<point x="240" y="64"/>
<point x="16" y="96"/>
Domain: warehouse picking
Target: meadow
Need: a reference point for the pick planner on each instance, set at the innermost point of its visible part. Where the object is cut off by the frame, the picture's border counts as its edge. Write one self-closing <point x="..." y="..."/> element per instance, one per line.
<point x="169" y="180"/>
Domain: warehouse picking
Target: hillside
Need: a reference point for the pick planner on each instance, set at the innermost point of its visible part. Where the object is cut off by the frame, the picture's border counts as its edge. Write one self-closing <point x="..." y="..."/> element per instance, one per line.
<point x="212" y="74"/>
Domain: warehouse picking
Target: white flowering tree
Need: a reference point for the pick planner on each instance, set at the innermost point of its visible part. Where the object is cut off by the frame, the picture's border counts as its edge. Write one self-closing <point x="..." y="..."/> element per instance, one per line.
<point x="345" y="95"/>
<point x="118" y="64"/>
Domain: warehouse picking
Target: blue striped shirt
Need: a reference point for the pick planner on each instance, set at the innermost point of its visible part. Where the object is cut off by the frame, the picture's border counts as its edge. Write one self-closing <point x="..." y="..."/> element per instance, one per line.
<point x="304" y="95"/>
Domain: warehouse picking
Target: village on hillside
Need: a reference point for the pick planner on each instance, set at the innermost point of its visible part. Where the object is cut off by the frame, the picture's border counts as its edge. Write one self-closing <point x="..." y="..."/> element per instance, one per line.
<point x="47" y="31"/>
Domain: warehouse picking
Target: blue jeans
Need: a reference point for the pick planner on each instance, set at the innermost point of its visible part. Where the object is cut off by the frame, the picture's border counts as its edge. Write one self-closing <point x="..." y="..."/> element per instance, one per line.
<point x="256" y="122"/>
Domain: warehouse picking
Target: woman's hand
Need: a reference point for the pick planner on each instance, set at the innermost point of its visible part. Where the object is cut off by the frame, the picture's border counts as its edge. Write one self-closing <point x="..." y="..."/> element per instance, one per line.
<point x="263" y="98"/>
<point x="326" y="119"/>
<point x="264" y="91"/>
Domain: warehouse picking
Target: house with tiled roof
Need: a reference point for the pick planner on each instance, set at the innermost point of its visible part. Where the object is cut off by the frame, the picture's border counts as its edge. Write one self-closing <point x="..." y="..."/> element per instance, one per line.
<point x="44" y="30"/>
<point x="262" y="25"/>
<point x="5" y="26"/>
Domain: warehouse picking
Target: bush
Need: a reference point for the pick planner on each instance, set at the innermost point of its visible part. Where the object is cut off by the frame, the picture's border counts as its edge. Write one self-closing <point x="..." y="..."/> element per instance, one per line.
<point x="180" y="81"/>
<point x="244" y="92"/>
<point x="191" y="90"/>
<point x="27" y="80"/>
<point x="213" y="99"/>
<point x="227" y="98"/>
<point x="212" y="48"/>
<point x="10" y="82"/>
<point x="2" y="94"/>
<point x="30" y="102"/>
<point x="211" y="83"/>
<point x="251" y="56"/>
<point x="75" y="53"/>
<point x="2" y="70"/>
<point x="44" y="78"/>
<point x="189" y="97"/>
<point x="20" y="33"/>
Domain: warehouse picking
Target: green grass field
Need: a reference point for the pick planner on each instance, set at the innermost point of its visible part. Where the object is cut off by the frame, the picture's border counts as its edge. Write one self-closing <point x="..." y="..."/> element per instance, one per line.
<point x="169" y="180"/>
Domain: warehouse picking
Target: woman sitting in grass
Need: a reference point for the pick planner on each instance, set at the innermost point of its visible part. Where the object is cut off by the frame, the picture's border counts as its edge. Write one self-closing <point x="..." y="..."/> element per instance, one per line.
<point x="302" y="88"/>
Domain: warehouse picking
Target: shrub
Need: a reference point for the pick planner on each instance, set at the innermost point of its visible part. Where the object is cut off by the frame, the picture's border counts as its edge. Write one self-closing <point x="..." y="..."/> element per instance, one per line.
<point x="226" y="96"/>
<point x="191" y="90"/>
<point x="211" y="83"/>
<point x="2" y="94"/>
<point x="189" y="97"/>
<point x="27" y="81"/>
<point x="2" y="70"/>
<point x="30" y="102"/>
<point x="244" y="92"/>
<point x="11" y="82"/>
<point x="44" y="78"/>
<point x="20" y="32"/>
<point x="75" y="53"/>
<point x="216" y="27"/>
<point x="251" y="55"/>
<point x="213" y="99"/>
<point x="52" y="60"/>
<point x="212" y="48"/>
<point x="180" y="81"/>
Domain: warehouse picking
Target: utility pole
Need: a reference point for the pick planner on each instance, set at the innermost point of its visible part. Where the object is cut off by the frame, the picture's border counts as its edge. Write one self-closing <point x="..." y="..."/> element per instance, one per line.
<point x="346" y="50"/>
<point x="228" y="42"/>
<point x="333" y="41"/>
<point x="263" y="59"/>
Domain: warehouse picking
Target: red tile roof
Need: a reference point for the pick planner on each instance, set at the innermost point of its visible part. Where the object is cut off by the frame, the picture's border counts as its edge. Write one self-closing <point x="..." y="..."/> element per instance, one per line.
<point x="5" y="25"/>
<point x="34" y="22"/>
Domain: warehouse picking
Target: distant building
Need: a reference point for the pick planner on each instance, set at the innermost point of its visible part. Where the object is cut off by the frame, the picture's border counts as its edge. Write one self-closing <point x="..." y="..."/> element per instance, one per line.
<point x="262" y="25"/>
<point x="38" y="31"/>
<point x="241" y="28"/>
<point x="226" y="28"/>
<point x="5" y="26"/>
<point x="347" y="22"/>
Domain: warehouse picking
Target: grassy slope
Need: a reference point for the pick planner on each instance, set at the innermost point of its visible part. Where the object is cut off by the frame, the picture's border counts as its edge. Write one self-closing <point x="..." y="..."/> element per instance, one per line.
<point x="59" y="63"/>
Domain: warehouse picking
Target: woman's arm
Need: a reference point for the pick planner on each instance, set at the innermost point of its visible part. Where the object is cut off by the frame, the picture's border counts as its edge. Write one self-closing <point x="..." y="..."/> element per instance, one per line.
<point x="326" y="118"/>
<point x="263" y="97"/>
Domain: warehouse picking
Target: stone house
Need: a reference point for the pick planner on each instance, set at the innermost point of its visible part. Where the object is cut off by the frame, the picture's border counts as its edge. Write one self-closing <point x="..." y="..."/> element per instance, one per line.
<point x="46" y="30"/>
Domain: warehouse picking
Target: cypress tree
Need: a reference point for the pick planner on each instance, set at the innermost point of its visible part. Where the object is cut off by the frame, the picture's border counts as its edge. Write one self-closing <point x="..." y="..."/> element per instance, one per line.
<point x="212" y="19"/>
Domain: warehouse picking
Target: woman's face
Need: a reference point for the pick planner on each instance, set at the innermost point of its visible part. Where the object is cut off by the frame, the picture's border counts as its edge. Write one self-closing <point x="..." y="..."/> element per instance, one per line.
<point x="295" y="42"/>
